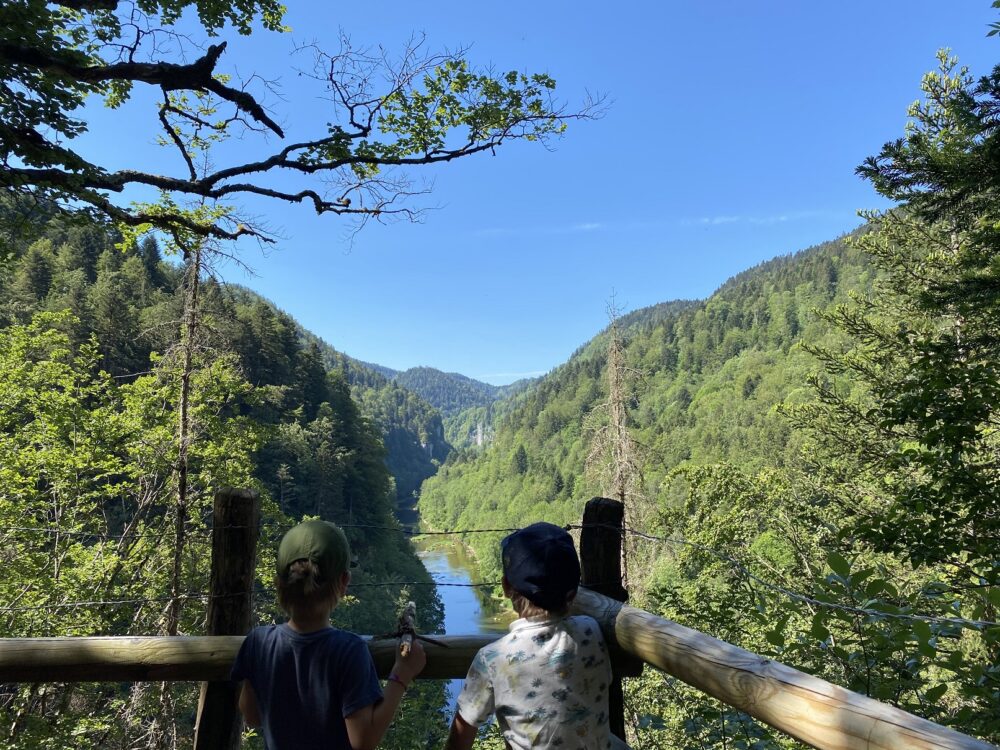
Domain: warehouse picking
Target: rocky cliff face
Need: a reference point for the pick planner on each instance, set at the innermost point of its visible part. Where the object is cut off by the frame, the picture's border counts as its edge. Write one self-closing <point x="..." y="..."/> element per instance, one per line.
<point x="434" y="444"/>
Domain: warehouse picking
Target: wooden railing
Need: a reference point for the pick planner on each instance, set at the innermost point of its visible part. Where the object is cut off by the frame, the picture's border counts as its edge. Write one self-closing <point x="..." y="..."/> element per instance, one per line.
<point x="196" y="658"/>
<point x="816" y="712"/>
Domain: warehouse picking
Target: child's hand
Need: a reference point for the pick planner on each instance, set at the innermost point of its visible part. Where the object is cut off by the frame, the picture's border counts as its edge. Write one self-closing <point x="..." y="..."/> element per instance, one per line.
<point x="408" y="667"/>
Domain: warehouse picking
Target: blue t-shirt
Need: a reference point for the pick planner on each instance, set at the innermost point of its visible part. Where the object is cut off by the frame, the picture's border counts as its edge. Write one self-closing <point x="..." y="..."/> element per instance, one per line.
<point x="306" y="683"/>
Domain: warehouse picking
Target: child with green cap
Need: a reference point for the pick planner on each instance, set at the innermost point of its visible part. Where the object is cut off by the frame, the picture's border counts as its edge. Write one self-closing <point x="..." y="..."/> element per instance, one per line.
<point x="306" y="684"/>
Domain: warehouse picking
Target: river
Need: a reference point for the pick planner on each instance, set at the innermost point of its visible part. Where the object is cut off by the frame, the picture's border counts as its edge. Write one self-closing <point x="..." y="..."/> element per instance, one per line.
<point x="467" y="611"/>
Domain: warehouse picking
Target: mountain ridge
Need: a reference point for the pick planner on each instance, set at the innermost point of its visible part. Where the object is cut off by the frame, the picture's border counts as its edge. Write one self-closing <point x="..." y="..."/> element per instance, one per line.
<point x="711" y="374"/>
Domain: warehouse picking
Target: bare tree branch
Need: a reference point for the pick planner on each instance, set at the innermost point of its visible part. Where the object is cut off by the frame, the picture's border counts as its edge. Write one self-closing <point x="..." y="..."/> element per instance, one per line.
<point x="389" y="113"/>
<point x="196" y="76"/>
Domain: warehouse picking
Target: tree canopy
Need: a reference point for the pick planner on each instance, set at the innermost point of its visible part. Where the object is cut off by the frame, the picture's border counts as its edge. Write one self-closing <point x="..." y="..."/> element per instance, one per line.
<point x="387" y="113"/>
<point x="844" y="520"/>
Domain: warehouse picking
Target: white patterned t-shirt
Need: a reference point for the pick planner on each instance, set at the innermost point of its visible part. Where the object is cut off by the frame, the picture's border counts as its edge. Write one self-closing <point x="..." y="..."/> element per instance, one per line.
<point x="547" y="682"/>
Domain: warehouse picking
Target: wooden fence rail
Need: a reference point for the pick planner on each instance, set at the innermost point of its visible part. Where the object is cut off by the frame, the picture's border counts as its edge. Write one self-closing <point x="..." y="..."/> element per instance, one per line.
<point x="816" y="712"/>
<point x="202" y="658"/>
<point x="812" y="710"/>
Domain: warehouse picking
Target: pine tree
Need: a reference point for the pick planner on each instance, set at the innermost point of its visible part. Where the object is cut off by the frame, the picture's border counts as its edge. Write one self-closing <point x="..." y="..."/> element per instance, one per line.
<point x="906" y="416"/>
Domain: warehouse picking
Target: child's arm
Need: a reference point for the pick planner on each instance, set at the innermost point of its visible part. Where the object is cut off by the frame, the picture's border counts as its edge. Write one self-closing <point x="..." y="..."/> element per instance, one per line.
<point x="366" y="726"/>
<point x="475" y="701"/>
<point x="461" y="736"/>
<point x="248" y="705"/>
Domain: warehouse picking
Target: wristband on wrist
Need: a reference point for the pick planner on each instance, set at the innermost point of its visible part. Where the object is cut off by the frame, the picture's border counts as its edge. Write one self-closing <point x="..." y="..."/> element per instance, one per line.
<point x="396" y="678"/>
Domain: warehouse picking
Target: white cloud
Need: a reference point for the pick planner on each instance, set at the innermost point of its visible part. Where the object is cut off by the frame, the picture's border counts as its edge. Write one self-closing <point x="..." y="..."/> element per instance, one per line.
<point x="588" y="226"/>
<point x="755" y="220"/>
<point x="716" y="220"/>
<point x="702" y="221"/>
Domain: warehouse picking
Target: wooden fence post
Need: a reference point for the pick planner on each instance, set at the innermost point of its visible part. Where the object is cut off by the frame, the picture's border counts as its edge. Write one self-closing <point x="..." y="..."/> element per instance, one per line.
<point x="234" y="557"/>
<point x="601" y="571"/>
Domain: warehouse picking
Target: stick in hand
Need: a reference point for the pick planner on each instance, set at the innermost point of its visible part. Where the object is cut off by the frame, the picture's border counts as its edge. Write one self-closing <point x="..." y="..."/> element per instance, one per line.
<point x="407" y="628"/>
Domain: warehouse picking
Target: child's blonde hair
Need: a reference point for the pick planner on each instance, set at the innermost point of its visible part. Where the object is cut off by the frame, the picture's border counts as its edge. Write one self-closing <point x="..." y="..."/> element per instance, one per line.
<point x="303" y="587"/>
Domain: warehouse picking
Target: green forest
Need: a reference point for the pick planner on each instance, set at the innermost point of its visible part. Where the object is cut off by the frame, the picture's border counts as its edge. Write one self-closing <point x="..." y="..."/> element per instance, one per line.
<point x="809" y="458"/>
<point x="810" y="454"/>
<point x="93" y="354"/>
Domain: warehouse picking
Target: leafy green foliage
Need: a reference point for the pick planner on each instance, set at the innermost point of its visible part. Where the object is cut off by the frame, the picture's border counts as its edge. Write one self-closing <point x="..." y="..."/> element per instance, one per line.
<point x="87" y="468"/>
<point x="34" y="121"/>
<point x="88" y="452"/>
<point x="432" y="109"/>
<point x="911" y="455"/>
<point x="843" y="522"/>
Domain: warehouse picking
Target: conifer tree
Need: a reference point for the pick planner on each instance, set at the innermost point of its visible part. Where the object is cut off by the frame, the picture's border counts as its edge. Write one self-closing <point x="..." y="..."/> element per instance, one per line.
<point x="906" y="415"/>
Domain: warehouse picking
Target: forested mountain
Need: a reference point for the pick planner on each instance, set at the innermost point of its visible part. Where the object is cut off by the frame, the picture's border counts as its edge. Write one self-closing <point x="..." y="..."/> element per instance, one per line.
<point x="710" y="375"/>
<point x="386" y="372"/>
<point x="465" y="404"/>
<point x="703" y="382"/>
<point x="813" y="447"/>
<point x="468" y="407"/>
<point x="809" y="459"/>
<point x="411" y="426"/>
<point x="105" y="498"/>
<point x="447" y="391"/>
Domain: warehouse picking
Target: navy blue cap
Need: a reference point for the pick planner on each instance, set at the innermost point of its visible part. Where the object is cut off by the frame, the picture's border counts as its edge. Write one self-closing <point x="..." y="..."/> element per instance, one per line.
<point x="540" y="562"/>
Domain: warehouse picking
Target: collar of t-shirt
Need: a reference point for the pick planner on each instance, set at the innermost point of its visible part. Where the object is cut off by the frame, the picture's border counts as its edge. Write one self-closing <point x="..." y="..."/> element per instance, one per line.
<point x="540" y="621"/>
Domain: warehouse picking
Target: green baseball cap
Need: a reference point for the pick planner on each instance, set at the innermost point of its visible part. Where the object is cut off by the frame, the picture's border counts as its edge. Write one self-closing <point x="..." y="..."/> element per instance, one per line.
<point x="318" y="541"/>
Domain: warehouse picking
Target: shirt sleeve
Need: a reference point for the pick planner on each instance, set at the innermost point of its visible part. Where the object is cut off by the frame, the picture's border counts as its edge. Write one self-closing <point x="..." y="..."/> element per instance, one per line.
<point x="359" y="686"/>
<point x="475" y="703"/>
<point x="243" y="665"/>
<point x="603" y="650"/>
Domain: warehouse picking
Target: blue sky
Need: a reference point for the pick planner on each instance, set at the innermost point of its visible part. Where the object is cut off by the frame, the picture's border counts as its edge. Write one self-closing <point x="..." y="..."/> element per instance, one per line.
<point x="732" y="137"/>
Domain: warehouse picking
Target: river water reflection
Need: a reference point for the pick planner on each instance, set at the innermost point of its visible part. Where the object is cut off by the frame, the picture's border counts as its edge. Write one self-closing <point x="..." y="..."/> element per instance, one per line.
<point x="467" y="611"/>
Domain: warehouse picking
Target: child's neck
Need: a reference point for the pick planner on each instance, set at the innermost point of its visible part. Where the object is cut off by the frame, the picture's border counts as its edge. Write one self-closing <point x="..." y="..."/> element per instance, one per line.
<point x="309" y="622"/>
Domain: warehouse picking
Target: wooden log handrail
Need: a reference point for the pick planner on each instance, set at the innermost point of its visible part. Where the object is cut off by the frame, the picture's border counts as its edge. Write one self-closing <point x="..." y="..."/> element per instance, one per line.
<point x="187" y="658"/>
<point x="816" y="712"/>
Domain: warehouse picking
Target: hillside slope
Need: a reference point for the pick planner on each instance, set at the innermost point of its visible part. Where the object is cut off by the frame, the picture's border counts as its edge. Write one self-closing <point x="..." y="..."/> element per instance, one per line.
<point x="712" y="374"/>
<point x="412" y="428"/>
<point x="322" y="418"/>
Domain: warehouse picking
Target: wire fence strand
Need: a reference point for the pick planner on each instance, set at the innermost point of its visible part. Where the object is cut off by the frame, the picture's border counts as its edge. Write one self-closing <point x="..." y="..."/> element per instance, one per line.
<point x="412" y="533"/>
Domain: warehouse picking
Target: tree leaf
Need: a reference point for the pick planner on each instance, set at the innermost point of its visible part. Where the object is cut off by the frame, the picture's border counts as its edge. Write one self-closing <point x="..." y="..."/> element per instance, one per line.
<point x="934" y="694"/>
<point x="838" y="564"/>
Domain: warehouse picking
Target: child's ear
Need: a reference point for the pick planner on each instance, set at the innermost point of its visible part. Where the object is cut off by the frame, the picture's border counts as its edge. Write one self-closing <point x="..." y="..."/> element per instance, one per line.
<point x="344" y="582"/>
<point x="508" y="590"/>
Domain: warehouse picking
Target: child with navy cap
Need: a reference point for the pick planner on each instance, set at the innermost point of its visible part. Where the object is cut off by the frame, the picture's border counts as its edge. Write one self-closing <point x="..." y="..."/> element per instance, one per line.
<point x="308" y="685"/>
<point x="547" y="679"/>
